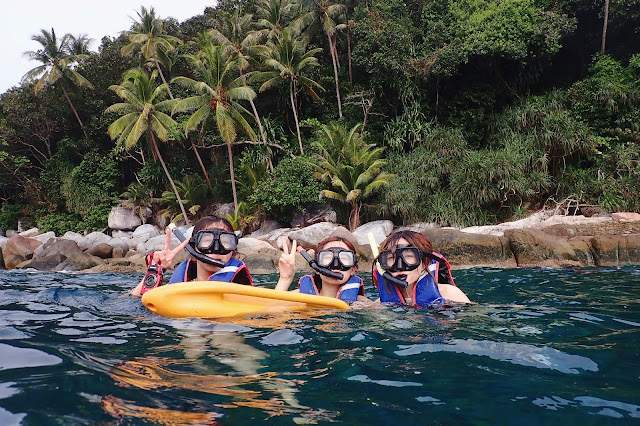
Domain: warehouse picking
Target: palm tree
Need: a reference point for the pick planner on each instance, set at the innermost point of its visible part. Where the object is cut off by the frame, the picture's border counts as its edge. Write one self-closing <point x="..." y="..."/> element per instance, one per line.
<point x="289" y="59"/>
<point x="275" y="15"/>
<point x="352" y="167"/>
<point x="149" y="38"/>
<point x="218" y="90"/>
<point x="59" y="61"/>
<point x="142" y="113"/>
<point x="236" y="34"/>
<point x="325" y="14"/>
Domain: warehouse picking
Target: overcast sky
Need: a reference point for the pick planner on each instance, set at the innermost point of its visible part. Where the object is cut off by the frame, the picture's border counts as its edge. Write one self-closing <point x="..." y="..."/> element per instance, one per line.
<point x="97" y="19"/>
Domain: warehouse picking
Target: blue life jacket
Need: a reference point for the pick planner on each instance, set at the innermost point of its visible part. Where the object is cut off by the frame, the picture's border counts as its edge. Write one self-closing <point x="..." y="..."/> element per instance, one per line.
<point x="348" y="291"/>
<point x="233" y="269"/>
<point x="425" y="293"/>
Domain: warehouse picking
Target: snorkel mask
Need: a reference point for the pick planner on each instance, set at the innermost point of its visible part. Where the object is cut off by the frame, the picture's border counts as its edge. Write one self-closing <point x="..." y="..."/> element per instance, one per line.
<point x="209" y="241"/>
<point x="336" y="258"/>
<point x="214" y="241"/>
<point x="324" y="270"/>
<point x="403" y="258"/>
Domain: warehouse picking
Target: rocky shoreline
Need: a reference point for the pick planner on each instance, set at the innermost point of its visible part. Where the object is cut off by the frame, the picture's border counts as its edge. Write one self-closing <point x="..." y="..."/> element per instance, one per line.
<point x="541" y="240"/>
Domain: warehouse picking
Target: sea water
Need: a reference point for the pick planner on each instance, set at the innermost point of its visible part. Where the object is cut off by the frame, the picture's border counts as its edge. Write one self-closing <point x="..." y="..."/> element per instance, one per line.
<point x="540" y="346"/>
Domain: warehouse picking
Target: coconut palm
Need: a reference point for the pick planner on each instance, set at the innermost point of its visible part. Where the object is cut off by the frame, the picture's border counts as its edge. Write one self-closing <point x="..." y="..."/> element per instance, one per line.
<point x="289" y="59"/>
<point x="326" y="15"/>
<point x="353" y="168"/>
<point x="275" y="15"/>
<point x="149" y="38"/>
<point x="59" y="61"/>
<point x="236" y="34"/>
<point x="219" y="88"/>
<point x="143" y="113"/>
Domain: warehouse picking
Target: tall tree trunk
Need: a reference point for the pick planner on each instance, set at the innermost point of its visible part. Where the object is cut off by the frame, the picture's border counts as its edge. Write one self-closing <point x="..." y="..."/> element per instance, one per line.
<point x="162" y="77"/>
<point x="333" y="51"/>
<point x="193" y="146"/>
<point x="204" y="170"/>
<point x="154" y="146"/>
<point x="262" y="133"/>
<point x="349" y="51"/>
<point x="73" y="108"/>
<point x="604" y="25"/>
<point x="233" y="176"/>
<point x="295" y="115"/>
<point x="354" y="220"/>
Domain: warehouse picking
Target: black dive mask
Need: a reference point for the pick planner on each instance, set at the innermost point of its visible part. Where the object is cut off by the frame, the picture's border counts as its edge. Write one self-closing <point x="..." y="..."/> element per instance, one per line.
<point x="404" y="258"/>
<point x="336" y="258"/>
<point x="214" y="241"/>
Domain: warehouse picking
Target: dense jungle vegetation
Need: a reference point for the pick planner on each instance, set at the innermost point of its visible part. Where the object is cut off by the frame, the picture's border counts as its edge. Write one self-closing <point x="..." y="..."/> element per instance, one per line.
<point x="460" y="112"/>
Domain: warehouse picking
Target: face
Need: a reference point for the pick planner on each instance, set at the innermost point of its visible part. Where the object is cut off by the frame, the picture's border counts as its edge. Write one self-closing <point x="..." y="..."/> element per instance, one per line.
<point x="412" y="276"/>
<point x="345" y="274"/>
<point x="221" y="257"/>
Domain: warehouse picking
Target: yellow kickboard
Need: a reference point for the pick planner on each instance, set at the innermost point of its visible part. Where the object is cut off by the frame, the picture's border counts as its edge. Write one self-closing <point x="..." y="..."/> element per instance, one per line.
<point x="216" y="299"/>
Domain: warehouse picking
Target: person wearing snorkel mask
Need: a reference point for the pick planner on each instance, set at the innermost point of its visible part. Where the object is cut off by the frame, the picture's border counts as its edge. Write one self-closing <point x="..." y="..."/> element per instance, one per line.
<point x="412" y="274"/>
<point x="211" y="246"/>
<point x="335" y="264"/>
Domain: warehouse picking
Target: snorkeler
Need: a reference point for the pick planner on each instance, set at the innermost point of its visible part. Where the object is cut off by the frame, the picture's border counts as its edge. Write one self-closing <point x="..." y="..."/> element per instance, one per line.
<point x="335" y="264"/>
<point x="212" y="246"/>
<point x="413" y="274"/>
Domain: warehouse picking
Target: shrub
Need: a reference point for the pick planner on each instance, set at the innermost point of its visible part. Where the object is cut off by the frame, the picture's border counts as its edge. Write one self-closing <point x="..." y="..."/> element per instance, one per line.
<point x="291" y="188"/>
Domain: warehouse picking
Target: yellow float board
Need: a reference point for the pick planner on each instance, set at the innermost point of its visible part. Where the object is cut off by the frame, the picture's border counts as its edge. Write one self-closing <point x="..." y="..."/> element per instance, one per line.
<point x="216" y="299"/>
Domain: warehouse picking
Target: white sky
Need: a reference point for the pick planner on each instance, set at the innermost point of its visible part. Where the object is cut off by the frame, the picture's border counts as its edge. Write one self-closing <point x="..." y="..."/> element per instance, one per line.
<point x="24" y="18"/>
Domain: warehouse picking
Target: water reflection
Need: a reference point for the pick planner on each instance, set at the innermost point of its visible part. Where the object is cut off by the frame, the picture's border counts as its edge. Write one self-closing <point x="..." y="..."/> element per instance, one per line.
<point x="516" y="353"/>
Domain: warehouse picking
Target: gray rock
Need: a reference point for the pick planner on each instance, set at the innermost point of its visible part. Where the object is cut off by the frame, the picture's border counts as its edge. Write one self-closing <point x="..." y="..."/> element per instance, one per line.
<point x="123" y="218"/>
<point x="102" y="250"/>
<point x="311" y="235"/>
<point x="313" y="214"/>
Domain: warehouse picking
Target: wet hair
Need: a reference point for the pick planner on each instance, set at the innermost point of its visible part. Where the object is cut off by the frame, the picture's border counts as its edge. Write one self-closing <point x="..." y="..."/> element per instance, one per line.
<point x="415" y="239"/>
<point x="212" y="221"/>
<point x="333" y="238"/>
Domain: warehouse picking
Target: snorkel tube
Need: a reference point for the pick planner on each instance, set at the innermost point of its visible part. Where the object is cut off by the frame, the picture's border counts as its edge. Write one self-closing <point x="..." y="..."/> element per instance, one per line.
<point x="322" y="271"/>
<point x="192" y="251"/>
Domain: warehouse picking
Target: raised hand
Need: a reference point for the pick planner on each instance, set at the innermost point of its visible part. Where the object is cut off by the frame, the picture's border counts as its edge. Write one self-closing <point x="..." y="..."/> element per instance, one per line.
<point x="287" y="263"/>
<point x="165" y="257"/>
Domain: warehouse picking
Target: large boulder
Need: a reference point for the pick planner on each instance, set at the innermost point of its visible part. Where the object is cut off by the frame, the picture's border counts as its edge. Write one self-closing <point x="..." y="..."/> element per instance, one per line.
<point x="19" y="249"/>
<point x="59" y="254"/>
<point x="268" y="226"/>
<point x="464" y="249"/>
<point x="123" y="218"/>
<point x="102" y="250"/>
<point x="614" y="250"/>
<point x="93" y="239"/>
<point x="310" y="236"/>
<point x="532" y="248"/>
<point x="379" y="229"/>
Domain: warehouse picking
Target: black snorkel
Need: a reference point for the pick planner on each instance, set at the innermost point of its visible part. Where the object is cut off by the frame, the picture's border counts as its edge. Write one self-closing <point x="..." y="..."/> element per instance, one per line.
<point x="192" y="251"/>
<point x="322" y="271"/>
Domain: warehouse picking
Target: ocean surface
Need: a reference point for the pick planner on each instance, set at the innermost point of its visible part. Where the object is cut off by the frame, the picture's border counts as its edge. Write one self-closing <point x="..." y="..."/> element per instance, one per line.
<point x="541" y="346"/>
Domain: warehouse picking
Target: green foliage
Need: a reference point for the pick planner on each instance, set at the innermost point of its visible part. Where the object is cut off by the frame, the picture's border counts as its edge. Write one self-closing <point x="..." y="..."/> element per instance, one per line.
<point x="91" y="183"/>
<point x="352" y="167"/>
<point x="60" y="223"/>
<point x="9" y="215"/>
<point x="609" y="97"/>
<point x="291" y="188"/>
<point x="193" y="192"/>
<point x="242" y="217"/>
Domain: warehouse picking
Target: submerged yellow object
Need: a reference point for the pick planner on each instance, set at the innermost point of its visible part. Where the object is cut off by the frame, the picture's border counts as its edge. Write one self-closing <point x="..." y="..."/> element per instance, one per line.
<point x="216" y="299"/>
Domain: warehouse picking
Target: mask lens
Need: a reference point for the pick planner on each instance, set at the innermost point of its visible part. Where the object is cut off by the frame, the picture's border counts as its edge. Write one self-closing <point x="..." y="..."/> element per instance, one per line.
<point x="347" y="258"/>
<point x="204" y="240"/>
<point x="228" y="241"/>
<point x="387" y="258"/>
<point x="411" y="257"/>
<point x="325" y="258"/>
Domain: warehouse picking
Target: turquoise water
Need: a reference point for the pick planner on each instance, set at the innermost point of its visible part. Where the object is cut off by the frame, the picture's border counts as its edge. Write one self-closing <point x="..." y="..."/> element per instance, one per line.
<point x="540" y="347"/>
